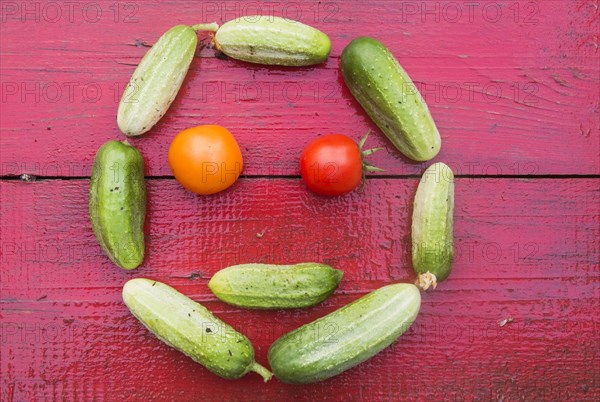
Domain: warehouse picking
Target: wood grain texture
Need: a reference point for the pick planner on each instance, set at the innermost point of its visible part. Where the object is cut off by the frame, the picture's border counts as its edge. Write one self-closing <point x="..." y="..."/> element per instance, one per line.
<point x="514" y="88"/>
<point x="526" y="249"/>
<point x="513" y="85"/>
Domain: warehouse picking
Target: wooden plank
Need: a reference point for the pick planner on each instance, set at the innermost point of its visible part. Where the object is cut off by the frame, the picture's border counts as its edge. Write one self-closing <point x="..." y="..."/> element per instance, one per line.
<point x="526" y="249"/>
<point x="513" y="85"/>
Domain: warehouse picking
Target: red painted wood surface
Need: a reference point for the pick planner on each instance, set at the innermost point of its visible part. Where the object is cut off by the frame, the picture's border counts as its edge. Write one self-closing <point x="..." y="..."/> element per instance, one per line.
<point x="68" y="334"/>
<point x="512" y="93"/>
<point x="527" y="246"/>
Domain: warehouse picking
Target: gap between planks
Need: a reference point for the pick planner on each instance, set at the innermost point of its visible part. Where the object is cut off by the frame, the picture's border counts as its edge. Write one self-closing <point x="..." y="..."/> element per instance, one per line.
<point x="32" y="178"/>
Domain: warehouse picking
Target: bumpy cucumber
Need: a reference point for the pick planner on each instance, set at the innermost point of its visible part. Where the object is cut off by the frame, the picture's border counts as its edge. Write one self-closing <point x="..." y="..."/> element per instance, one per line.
<point x="190" y="328"/>
<point x="432" y="222"/>
<point x="272" y="40"/>
<point x="346" y="337"/>
<point x="390" y="98"/>
<point x="118" y="203"/>
<point x="156" y="81"/>
<point x="264" y="286"/>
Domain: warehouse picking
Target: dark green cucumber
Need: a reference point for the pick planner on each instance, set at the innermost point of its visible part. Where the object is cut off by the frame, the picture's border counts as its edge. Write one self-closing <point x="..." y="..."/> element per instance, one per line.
<point x="264" y="286"/>
<point x="390" y="98"/>
<point x="156" y="81"/>
<point x="118" y="203"/>
<point x="348" y="336"/>
<point x="432" y="223"/>
<point x="272" y="40"/>
<point x="190" y="328"/>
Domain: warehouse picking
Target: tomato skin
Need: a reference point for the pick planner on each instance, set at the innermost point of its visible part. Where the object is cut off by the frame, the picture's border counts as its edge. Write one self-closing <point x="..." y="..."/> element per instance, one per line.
<point x="205" y="159"/>
<point x="332" y="165"/>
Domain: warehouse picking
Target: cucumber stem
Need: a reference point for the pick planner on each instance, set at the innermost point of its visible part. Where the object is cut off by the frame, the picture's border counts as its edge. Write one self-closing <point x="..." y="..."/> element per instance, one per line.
<point x="212" y="27"/>
<point x="257" y="368"/>
<point x="426" y="280"/>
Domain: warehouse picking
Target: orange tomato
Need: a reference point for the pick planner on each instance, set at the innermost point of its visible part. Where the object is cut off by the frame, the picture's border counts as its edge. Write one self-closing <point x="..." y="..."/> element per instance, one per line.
<point x="205" y="159"/>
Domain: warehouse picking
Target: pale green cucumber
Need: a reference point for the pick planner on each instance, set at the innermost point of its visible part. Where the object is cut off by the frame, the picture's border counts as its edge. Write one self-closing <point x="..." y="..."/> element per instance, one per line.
<point x="118" y="203"/>
<point x="190" y="328"/>
<point x="348" y="336"/>
<point x="156" y="81"/>
<point x="272" y="40"/>
<point x="432" y="223"/>
<point x="265" y="286"/>
<point x="390" y="98"/>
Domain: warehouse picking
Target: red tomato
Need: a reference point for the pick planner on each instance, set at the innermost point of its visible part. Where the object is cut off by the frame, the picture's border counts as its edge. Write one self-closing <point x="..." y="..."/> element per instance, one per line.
<point x="332" y="165"/>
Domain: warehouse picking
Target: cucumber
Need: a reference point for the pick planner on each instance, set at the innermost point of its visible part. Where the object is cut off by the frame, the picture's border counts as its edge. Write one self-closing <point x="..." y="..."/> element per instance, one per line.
<point x="348" y="336"/>
<point x="390" y="98"/>
<point x="272" y="40"/>
<point x="264" y="286"/>
<point x="156" y="81"/>
<point x="118" y="203"/>
<point x="432" y="223"/>
<point x="190" y="328"/>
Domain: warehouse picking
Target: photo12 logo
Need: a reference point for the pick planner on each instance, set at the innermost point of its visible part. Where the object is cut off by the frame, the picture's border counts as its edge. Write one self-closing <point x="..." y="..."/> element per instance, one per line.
<point x="36" y="332"/>
<point x="453" y="12"/>
<point x="53" y="12"/>
<point x="523" y="93"/>
<point x="296" y="11"/>
<point x="269" y="92"/>
<point x="59" y="92"/>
